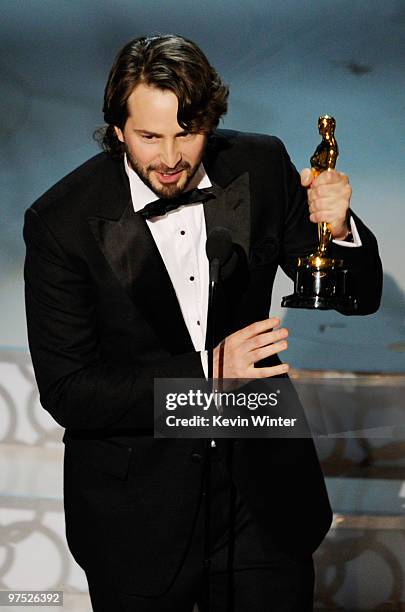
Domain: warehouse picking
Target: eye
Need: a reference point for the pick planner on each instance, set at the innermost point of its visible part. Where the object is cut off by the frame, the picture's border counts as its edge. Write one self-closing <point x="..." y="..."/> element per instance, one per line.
<point x="148" y="137"/>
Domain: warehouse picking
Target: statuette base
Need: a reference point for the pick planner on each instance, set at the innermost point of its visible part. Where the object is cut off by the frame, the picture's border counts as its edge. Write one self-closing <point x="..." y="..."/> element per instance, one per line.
<point x="321" y="283"/>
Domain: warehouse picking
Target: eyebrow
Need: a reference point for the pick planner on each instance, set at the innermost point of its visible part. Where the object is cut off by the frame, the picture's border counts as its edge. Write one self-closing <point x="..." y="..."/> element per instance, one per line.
<point x="158" y="135"/>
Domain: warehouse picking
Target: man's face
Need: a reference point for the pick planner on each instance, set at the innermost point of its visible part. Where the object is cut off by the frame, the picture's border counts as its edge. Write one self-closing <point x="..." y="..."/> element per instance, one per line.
<point x="164" y="155"/>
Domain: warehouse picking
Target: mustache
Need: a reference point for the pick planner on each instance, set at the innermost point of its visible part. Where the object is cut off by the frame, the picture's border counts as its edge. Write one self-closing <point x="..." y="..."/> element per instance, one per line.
<point x="166" y="170"/>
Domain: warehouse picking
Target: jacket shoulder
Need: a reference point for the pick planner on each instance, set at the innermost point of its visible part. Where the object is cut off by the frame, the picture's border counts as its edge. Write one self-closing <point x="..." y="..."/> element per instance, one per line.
<point x="239" y="152"/>
<point x="248" y="141"/>
<point x="80" y="185"/>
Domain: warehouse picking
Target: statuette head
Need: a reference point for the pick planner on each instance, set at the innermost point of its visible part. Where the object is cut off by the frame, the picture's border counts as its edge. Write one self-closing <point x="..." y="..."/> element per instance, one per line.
<point x="326" y="124"/>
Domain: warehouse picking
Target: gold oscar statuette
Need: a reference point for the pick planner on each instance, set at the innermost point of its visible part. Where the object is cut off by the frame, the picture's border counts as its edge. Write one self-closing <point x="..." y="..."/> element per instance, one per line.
<point x="321" y="281"/>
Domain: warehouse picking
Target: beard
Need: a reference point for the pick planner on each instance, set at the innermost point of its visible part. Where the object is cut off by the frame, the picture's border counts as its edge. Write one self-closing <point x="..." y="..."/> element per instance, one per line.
<point x="168" y="191"/>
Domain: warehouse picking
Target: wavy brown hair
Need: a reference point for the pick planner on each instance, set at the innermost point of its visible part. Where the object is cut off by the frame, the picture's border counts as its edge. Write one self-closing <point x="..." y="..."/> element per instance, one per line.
<point x="167" y="62"/>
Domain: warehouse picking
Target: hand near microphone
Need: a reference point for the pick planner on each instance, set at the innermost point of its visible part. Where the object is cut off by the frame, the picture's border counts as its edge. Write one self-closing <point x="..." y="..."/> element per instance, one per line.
<point x="236" y="355"/>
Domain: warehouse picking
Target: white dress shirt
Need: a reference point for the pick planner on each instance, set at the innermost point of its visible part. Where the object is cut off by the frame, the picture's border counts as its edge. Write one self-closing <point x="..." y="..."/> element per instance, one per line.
<point x="180" y="237"/>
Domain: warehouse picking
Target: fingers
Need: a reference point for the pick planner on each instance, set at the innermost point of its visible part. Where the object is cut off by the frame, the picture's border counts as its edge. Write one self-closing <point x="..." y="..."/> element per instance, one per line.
<point x="306" y="177"/>
<point x="330" y="177"/>
<point x="323" y="190"/>
<point x="267" y="351"/>
<point x="329" y="198"/>
<point x="324" y="205"/>
<point x="329" y="211"/>
<point x="259" y="327"/>
<point x="260" y="343"/>
<point x="327" y="217"/>
<point x="236" y="356"/>
<point x="266" y="344"/>
<point x="265" y="339"/>
<point x="269" y="371"/>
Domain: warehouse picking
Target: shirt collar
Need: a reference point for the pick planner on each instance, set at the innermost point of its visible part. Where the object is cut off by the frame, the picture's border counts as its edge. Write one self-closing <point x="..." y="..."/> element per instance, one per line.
<point x="142" y="195"/>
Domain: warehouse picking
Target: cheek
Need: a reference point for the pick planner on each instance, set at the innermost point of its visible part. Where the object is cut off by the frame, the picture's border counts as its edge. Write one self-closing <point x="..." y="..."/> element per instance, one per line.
<point x="194" y="152"/>
<point x="144" y="155"/>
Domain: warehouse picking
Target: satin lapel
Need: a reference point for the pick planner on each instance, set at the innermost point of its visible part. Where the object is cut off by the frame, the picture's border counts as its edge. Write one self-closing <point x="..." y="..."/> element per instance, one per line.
<point x="231" y="209"/>
<point x="130" y="250"/>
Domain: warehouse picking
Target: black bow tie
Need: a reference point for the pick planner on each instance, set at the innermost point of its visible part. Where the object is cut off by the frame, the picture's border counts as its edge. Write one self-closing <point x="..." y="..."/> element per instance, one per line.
<point x="165" y="205"/>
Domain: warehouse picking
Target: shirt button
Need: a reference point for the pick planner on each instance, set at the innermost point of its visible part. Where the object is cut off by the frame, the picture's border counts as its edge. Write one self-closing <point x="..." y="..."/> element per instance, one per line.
<point x="182" y="232"/>
<point x="196" y="457"/>
<point x="191" y="278"/>
<point x="198" y="323"/>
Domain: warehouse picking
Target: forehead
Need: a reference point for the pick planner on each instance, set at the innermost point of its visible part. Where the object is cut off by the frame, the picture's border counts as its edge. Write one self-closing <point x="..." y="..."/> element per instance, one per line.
<point x="153" y="109"/>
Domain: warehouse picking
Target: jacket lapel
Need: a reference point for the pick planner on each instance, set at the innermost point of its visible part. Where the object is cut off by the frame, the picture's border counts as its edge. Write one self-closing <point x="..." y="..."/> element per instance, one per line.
<point x="231" y="210"/>
<point x="131" y="252"/>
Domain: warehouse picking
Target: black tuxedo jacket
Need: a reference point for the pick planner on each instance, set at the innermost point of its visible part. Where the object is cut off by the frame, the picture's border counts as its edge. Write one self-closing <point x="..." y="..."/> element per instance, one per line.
<point x="104" y="321"/>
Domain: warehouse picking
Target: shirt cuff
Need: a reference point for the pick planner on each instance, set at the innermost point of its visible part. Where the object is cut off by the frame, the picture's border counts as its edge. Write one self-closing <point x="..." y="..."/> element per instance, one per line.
<point x="204" y="362"/>
<point x="356" y="238"/>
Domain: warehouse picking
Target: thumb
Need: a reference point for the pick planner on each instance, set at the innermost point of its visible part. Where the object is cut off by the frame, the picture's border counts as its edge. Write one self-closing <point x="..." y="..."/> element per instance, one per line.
<point x="306" y="177"/>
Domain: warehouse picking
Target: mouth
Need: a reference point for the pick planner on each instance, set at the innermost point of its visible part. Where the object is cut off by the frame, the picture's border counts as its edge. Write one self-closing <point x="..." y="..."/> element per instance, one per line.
<point x="169" y="177"/>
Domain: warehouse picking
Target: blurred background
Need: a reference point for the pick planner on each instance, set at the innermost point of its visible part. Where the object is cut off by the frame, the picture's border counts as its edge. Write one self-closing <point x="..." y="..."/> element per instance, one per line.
<point x="286" y="62"/>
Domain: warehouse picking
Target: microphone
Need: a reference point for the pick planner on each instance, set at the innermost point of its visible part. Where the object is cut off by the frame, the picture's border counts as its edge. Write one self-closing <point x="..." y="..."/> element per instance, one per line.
<point x="219" y="249"/>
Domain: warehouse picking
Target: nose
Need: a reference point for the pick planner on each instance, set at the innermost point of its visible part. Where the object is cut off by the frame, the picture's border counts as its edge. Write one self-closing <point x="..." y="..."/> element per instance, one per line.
<point x="170" y="155"/>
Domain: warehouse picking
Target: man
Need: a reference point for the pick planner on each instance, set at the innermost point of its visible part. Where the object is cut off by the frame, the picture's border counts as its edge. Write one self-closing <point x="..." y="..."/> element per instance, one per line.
<point x="116" y="295"/>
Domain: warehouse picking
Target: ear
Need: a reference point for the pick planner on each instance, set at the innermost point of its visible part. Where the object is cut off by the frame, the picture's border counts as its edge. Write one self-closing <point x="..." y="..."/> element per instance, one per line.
<point x="119" y="133"/>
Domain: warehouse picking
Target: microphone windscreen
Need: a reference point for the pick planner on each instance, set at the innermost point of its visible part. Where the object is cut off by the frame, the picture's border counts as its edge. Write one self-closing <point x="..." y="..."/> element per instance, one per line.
<point x="219" y="245"/>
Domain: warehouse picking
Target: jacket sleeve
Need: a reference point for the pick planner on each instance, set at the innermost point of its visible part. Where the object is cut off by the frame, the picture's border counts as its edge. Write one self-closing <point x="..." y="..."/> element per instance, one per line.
<point x="76" y="386"/>
<point x="301" y="238"/>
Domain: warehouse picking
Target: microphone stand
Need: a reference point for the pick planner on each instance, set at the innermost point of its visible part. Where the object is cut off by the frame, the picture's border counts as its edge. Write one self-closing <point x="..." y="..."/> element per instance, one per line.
<point x="219" y="252"/>
<point x="214" y="277"/>
<point x="231" y="535"/>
